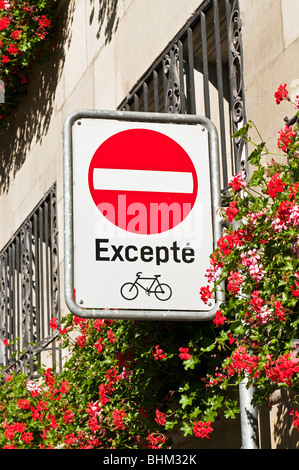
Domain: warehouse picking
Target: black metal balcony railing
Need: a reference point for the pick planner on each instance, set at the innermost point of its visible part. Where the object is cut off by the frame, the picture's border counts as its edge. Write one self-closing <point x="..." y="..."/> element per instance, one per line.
<point x="200" y="72"/>
<point x="29" y="291"/>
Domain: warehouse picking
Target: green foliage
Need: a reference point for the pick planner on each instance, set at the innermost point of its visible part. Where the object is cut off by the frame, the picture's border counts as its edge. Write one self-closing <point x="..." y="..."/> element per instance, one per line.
<point x="122" y="389"/>
<point x="25" y="38"/>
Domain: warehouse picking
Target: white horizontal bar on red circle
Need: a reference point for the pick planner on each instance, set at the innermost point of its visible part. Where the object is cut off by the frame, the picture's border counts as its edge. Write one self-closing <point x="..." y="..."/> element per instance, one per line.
<point x="143" y="180"/>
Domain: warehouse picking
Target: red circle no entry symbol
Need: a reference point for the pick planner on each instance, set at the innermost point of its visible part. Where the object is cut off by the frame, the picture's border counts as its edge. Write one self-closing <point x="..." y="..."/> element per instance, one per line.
<point x="142" y="181"/>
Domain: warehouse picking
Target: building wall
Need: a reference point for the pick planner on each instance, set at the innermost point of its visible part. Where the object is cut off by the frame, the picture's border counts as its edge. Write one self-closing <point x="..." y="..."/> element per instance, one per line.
<point x="271" y="45"/>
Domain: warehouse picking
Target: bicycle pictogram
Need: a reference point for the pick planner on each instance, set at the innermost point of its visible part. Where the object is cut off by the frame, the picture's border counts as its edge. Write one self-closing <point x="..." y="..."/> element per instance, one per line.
<point x="130" y="290"/>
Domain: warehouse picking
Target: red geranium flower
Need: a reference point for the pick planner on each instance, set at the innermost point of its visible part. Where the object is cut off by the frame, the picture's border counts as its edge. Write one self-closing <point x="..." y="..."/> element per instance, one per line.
<point x="281" y="93"/>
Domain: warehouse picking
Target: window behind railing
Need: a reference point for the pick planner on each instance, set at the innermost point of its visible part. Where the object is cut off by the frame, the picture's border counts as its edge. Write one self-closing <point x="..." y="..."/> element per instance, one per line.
<point x="200" y="72"/>
<point x="29" y="291"/>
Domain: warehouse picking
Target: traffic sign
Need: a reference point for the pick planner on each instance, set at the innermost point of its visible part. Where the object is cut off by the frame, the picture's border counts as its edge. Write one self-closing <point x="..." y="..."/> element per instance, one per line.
<point x="140" y="203"/>
<point x="136" y="173"/>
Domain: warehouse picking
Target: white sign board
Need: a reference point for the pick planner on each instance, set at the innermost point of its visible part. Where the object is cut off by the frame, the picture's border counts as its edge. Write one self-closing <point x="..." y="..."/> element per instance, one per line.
<point x="142" y="223"/>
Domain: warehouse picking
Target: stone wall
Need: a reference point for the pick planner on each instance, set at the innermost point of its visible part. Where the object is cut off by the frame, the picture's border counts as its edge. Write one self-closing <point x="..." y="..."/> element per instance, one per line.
<point x="271" y="46"/>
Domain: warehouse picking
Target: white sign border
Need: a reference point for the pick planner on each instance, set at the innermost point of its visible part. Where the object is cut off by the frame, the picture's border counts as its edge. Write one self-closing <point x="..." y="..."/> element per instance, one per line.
<point x="133" y="116"/>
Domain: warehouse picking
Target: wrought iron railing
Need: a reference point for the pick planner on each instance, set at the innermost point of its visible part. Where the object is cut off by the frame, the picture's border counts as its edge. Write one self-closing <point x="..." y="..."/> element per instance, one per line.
<point x="200" y="72"/>
<point x="29" y="292"/>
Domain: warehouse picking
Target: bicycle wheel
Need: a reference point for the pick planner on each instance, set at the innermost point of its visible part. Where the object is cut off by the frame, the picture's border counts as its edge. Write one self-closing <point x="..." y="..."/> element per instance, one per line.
<point x="163" y="292"/>
<point x="129" y="291"/>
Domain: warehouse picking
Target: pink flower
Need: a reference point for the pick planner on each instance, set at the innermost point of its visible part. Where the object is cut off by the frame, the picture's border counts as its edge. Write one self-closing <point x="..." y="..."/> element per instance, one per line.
<point x="295" y="416"/>
<point x="231" y="338"/>
<point x="111" y="336"/>
<point x="256" y="302"/>
<point x="205" y="294"/>
<point x="68" y="416"/>
<point x="281" y="93"/>
<point x="294" y="216"/>
<point x="4" y="23"/>
<point x="264" y="316"/>
<point x="232" y="211"/>
<point x="286" y="137"/>
<point x="278" y="225"/>
<point x="27" y="437"/>
<point x="155" y="440"/>
<point x="24" y="404"/>
<point x="33" y="388"/>
<point x="202" y="429"/>
<point x="160" y="418"/>
<point x="158" y="354"/>
<point x="81" y="341"/>
<point x="279" y="311"/>
<point x="235" y="280"/>
<point x="118" y="417"/>
<point x="184" y="353"/>
<point x="125" y="375"/>
<point x="219" y="318"/>
<point x="53" y="324"/>
<point x="43" y="21"/>
<point x="250" y="260"/>
<point x="13" y="49"/>
<point x="214" y="270"/>
<point x="15" y="34"/>
<point x="238" y="181"/>
<point x="4" y="4"/>
<point x="99" y="346"/>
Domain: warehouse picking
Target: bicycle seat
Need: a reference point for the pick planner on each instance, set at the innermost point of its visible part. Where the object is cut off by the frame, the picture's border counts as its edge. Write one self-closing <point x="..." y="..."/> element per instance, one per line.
<point x="158" y="275"/>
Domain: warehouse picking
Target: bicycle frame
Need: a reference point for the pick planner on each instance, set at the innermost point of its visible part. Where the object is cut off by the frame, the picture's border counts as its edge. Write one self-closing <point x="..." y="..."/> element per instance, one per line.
<point x="147" y="289"/>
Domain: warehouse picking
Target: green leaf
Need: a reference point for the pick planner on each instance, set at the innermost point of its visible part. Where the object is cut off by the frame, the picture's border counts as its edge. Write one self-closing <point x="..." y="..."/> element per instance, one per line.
<point x="186" y="428"/>
<point x="170" y="424"/>
<point x="186" y="400"/>
<point x="257" y="177"/>
<point x="210" y="414"/>
<point x="243" y="131"/>
<point x="232" y="409"/>
<point x="184" y="388"/>
<point x="195" y="413"/>
<point x="190" y="363"/>
<point x="255" y="157"/>
<point x="209" y="346"/>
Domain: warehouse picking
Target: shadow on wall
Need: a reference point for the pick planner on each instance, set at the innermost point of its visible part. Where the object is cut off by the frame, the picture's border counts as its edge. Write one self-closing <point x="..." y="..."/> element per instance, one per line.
<point x="31" y="119"/>
<point x="104" y="12"/>
<point x="285" y="436"/>
<point x="30" y="122"/>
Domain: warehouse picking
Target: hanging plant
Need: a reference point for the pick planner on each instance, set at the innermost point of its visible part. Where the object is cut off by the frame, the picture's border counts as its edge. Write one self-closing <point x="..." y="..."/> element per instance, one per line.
<point x="25" y="37"/>
<point x="257" y="259"/>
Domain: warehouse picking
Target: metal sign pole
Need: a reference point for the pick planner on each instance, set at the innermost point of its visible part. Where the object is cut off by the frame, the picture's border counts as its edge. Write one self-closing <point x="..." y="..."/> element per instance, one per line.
<point x="249" y="417"/>
<point x="68" y="211"/>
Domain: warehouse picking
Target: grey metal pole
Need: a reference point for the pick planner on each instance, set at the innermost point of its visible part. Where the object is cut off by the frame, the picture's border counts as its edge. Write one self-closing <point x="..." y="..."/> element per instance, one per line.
<point x="248" y="412"/>
<point x="249" y="417"/>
